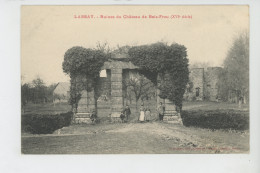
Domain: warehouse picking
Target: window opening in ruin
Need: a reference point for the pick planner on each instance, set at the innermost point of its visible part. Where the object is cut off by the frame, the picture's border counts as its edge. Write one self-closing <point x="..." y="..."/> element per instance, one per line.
<point x="103" y="73"/>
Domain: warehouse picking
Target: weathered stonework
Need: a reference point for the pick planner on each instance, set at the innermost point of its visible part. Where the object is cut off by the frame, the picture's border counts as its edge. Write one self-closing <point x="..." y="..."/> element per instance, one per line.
<point x="197" y="76"/>
<point x="110" y="99"/>
<point x="170" y="115"/>
<point x="82" y="118"/>
<point x="104" y="95"/>
<point x="175" y="119"/>
<point x="87" y="102"/>
<point x="211" y="79"/>
<point x="116" y="94"/>
<point x="203" y="84"/>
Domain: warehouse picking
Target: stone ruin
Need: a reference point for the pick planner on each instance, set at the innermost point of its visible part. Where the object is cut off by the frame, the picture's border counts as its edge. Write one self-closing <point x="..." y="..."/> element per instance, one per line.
<point x="111" y="100"/>
<point x="204" y="84"/>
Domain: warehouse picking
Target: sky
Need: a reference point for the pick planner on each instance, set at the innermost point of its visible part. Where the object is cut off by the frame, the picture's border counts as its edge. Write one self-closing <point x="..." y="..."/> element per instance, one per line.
<point x="47" y="32"/>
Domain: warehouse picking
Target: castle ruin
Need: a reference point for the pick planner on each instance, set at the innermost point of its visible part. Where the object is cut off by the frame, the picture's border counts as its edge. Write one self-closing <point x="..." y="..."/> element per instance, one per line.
<point x="203" y="84"/>
<point x="110" y="92"/>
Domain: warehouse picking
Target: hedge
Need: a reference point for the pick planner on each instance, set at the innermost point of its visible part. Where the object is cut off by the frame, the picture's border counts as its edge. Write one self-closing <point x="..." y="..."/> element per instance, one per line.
<point x="45" y="123"/>
<point x="216" y="119"/>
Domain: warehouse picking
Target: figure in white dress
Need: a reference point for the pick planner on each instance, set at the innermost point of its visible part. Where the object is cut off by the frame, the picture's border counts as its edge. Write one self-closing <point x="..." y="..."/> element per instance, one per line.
<point x="142" y="116"/>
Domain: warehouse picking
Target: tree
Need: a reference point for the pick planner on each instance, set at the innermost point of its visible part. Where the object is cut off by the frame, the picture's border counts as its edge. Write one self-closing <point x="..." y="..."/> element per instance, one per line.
<point x="170" y="63"/>
<point x="140" y="86"/>
<point x="235" y="77"/>
<point x="38" y="90"/>
<point x="25" y="95"/>
<point x="103" y="47"/>
<point x="204" y="65"/>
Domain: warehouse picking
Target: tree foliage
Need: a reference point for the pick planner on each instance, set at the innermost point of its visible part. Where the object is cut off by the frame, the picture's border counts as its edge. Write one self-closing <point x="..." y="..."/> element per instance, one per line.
<point x="236" y="68"/>
<point x="169" y="62"/>
<point x="36" y="92"/>
<point x="81" y="63"/>
<point x="39" y="90"/>
<point x="25" y="94"/>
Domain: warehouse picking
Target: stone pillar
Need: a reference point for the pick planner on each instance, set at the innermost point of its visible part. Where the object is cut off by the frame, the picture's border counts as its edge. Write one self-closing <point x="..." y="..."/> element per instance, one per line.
<point x="116" y="91"/>
<point x="86" y="105"/>
<point x="87" y="102"/>
<point x="169" y="105"/>
<point x="170" y="114"/>
<point x="158" y="98"/>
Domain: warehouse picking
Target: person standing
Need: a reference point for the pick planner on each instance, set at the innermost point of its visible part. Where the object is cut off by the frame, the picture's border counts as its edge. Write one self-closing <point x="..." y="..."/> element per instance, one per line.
<point x="127" y="112"/>
<point x="160" y="111"/>
<point x="147" y="114"/>
<point x="141" y="117"/>
<point x="93" y="116"/>
<point x="122" y="116"/>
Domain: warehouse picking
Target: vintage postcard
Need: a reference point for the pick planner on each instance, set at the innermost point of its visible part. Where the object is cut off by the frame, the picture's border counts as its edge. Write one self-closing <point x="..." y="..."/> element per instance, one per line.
<point x="135" y="79"/>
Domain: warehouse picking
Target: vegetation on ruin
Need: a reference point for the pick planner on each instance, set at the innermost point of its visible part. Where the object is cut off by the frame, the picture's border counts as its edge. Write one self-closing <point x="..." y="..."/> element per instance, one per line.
<point x="169" y="62"/>
<point x="81" y="63"/>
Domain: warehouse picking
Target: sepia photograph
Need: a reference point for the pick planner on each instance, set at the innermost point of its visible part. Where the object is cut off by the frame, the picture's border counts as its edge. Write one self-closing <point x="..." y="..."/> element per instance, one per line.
<point x="135" y="79"/>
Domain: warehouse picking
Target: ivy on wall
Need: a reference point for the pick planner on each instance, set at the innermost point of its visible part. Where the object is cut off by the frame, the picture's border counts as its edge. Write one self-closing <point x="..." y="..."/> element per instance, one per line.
<point x="83" y="66"/>
<point x="170" y="63"/>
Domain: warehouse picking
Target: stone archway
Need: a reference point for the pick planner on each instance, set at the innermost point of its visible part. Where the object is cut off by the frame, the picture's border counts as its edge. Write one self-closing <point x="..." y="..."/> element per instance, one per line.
<point x="109" y="100"/>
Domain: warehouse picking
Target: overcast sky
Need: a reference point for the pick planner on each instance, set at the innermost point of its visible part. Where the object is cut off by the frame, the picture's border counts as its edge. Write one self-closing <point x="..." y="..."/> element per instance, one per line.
<point x="48" y="31"/>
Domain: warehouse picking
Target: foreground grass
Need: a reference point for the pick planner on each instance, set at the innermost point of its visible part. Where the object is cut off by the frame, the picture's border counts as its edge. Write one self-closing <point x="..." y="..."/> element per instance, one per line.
<point x="136" y="138"/>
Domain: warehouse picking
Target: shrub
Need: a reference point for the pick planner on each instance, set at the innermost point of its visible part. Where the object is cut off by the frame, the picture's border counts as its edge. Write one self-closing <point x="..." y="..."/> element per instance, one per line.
<point x="45" y="124"/>
<point x="217" y="119"/>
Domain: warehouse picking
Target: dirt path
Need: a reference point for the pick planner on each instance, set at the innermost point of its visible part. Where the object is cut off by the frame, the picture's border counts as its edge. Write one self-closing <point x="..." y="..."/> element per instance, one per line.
<point x="152" y="137"/>
<point x="192" y="138"/>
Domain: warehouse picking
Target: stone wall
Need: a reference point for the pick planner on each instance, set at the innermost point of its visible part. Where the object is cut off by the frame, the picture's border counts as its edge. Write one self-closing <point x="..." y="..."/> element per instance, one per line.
<point x="116" y="91"/>
<point x="87" y="102"/>
<point x="196" y="91"/>
<point x="211" y="79"/>
<point x="104" y="95"/>
<point x="206" y="80"/>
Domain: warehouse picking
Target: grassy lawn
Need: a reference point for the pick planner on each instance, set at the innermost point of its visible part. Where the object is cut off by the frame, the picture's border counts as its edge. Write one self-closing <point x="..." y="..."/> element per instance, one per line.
<point x="196" y="105"/>
<point x="47" y="108"/>
<point x="92" y="144"/>
<point x="203" y="105"/>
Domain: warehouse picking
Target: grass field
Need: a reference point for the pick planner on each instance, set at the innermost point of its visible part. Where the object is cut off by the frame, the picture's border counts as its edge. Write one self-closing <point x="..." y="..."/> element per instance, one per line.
<point x="203" y="105"/>
<point x="196" y="105"/>
<point x="47" y="108"/>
